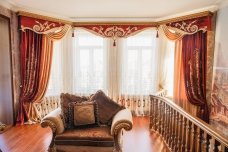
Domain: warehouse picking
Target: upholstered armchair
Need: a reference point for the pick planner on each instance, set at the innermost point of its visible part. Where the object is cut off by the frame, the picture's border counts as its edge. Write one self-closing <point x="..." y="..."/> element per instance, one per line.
<point x="98" y="138"/>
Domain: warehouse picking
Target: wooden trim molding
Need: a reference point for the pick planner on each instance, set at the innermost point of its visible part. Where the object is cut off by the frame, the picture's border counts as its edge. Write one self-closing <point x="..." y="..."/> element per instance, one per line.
<point x="186" y="17"/>
<point x="42" y="17"/>
<point x="79" y="24"/>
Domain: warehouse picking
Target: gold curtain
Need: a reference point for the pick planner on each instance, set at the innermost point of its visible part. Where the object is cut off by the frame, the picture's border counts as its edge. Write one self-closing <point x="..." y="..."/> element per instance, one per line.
<point x="179" y="93"/>
<point x="58" y="34"/>
<point x="173" y="34"/>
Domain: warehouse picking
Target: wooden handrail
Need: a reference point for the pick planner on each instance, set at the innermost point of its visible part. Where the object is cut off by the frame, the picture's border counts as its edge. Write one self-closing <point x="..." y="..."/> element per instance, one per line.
<point x="182" y="131"/>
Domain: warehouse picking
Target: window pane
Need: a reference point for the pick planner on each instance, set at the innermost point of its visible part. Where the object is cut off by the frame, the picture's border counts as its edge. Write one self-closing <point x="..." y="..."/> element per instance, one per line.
<point x="138" y="64"/>
<point x="88" y="39"/>
<point x="90" y="73"/>
<point x="141" y="39"/>
<point x="146" y="70"/>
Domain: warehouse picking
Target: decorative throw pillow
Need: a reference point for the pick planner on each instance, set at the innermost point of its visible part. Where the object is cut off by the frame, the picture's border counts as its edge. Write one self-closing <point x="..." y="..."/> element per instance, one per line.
<point x="107" y="107"/>
<point x="81" y="114"/>
<point x="67" y="98"/>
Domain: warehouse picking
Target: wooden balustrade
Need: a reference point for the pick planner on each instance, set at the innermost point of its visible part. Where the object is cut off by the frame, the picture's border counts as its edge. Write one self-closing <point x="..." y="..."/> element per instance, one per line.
<point x="181" y="131"/>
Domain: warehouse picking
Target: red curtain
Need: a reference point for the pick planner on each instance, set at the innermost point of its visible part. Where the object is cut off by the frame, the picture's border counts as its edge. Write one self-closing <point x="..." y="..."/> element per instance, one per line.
<point x="30" y="51"/>
<point x="194" y="57"/>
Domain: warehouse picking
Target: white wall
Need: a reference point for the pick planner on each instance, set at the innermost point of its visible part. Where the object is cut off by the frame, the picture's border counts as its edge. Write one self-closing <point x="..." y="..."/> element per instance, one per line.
<point x="221" y="37"/>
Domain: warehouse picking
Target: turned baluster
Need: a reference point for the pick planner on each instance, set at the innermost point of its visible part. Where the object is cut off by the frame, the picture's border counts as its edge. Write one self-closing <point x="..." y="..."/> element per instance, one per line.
<point x="212" y="145"/>
<point x="179" y="136"/>
<point x="162" y="118"/>
<point x="183" y="133"/>
<point x="176" y="131"/>
<point x="151" y="113"/>
<point x="156" y="114"/>
<point x="170" y="127"/>
<point x="173" y="129"/>
<point x="188" y="133"/>
<point x="217" y="146"/>
<point x="222" y="148"/>
<point x="192" y="141"/>
<point x="205" y="142"/>
<point x="198" y="140"/>
<point x="167" y="124"/>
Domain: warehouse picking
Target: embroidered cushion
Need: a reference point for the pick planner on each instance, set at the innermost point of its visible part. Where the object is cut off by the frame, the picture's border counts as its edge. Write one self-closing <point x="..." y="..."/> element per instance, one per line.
<point x="67" y="98"/>
<point x="81" y="114"/>
<point x="107" y="107"/>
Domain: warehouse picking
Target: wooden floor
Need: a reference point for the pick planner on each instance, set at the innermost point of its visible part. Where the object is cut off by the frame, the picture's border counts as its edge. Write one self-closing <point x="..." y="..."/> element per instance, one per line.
<point x="33" y="138"/>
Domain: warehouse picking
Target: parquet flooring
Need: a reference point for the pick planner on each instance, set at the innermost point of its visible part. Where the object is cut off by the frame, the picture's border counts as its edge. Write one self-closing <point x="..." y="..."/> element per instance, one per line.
<point x="33" y="138"/>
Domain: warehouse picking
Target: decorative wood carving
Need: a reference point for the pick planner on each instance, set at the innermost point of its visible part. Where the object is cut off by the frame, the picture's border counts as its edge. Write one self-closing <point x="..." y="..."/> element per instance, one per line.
<point x="38" y="25"/>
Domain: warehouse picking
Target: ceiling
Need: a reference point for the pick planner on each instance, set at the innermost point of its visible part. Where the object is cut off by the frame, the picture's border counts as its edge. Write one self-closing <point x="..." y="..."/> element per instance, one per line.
<point x="115" y="9"/>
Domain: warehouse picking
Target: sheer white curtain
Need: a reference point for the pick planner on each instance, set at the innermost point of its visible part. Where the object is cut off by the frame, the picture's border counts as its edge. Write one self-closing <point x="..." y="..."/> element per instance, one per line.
<point x="55" y="85"/>
<point x="128" y="73"/>
<point x="90" y="63"/>
<point x="79" y="65"/>
<point x="139" y="68"/>
<point x="166" y="65"/>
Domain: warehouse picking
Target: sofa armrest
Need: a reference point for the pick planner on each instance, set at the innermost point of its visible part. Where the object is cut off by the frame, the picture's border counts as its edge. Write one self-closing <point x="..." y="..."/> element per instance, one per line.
<point x="122" y="120"/>
<point x="54" y="121"/>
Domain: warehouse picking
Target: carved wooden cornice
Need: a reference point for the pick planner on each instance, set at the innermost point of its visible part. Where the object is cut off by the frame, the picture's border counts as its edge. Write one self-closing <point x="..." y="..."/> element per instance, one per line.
<point x="152" y="24"/>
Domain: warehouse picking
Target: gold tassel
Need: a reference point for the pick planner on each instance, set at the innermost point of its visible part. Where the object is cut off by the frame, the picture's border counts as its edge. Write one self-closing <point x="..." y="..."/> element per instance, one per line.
<point x="157" y="35"/>
<point x="73" y="33"/>
<point x="114" y="43"/>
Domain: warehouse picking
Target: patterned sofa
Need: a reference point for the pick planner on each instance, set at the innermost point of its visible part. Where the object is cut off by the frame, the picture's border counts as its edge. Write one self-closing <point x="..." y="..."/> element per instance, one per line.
<point x="99" y="138"/>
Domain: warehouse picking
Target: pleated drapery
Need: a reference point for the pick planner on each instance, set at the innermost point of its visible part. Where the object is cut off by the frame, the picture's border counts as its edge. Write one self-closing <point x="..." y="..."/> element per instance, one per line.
<point x="32" y="71"/>
<point x="36" y="49"/>
<point x="194" y="58"/>
<point x="179" y="91"/>
<point x="190" y="63"/>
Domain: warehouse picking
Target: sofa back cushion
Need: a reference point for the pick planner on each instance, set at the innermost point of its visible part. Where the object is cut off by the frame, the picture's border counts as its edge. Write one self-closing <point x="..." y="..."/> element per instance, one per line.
<point x="106" y="106"/>
<point x="66" y="99"/>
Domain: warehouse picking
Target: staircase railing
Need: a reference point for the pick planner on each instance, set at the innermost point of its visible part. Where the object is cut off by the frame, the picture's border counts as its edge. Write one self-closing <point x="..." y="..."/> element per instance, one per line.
<point x="181" y="131"/>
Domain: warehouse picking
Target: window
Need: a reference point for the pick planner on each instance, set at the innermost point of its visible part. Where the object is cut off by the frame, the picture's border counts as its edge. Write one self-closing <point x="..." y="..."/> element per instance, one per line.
<point x="139" y="64"/>
<point x="90" y="63"/>
<point x="78" y="65"/>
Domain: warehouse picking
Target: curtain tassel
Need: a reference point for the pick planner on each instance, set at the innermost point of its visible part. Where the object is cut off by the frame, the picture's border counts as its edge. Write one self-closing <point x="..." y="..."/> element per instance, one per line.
<point x="157" y="35"/>
<point x="114" y="43"/>
<point x="72" y="33"/>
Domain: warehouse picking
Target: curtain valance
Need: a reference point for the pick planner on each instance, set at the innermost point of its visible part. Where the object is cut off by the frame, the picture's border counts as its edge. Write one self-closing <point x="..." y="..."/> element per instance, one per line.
<point x="177" y="30"/>
<point x="40" y="26"/>
<point x="193" y="25"/>
<point x="115" y="31"/>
